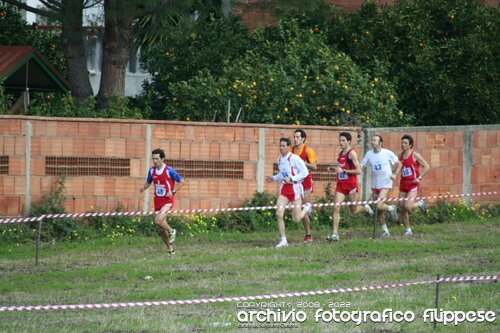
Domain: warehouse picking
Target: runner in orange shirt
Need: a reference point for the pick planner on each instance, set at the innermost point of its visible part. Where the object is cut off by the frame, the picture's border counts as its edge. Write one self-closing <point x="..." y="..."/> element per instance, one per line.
<point x="309" y="157"/>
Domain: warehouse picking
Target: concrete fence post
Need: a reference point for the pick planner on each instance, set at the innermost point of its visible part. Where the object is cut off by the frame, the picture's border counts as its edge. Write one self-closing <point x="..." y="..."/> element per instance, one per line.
<point x="467" y="164"/>
<point x="148" y="156"/>
<point x="27" y="188"/>
<point x="261" y="159"/>
<point x="366" y="176"/>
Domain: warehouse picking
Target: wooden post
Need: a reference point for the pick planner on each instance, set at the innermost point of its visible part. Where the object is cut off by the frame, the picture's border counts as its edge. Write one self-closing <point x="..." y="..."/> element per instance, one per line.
<point x="40" y="219"/>
<point x="436" y="302"/>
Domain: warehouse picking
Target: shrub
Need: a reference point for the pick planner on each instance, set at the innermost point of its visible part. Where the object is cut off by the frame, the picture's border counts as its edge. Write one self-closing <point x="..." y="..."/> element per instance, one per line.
<point x="61" y="229"/>
<point x="446" y="211"/>
<point x="192" y="225"/>
<point x="5" y="101"/>
<point x="113" y="227"/>
<point x="442" y="56"/>
<point x="58" y="105"/>
<point x="184" y="51"/>
<point x="291" y="77"/>
<point x="247" y="221"/>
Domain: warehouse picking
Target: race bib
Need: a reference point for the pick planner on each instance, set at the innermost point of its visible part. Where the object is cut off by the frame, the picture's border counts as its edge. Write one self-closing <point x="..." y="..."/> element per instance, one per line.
<point x="160" y="190"/>
<point x="406" y="172"/>
<point x="342" y="176"/>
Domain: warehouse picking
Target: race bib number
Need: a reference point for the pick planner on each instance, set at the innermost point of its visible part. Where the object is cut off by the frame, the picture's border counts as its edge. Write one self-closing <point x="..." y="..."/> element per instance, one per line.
<point x="342" y="176"/>
<point x="160" y="190"/>
<point x="377" y="167"/>
<point x="406" y="172"/>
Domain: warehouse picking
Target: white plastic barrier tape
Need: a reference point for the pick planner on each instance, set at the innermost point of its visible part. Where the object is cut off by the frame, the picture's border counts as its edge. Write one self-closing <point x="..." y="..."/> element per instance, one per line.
<point x="242" y="298"/>
<point x="212" y="210"/>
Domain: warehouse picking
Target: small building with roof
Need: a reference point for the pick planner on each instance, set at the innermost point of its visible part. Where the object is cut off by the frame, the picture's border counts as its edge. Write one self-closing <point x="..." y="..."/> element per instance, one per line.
<point x="23" y="70"/>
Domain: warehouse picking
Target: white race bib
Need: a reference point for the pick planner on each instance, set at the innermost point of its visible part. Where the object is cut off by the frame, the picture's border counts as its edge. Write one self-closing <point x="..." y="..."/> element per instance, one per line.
<point x="406" y="172"/>
<point x="342" y="176"/>
<point x="160" y="190"/>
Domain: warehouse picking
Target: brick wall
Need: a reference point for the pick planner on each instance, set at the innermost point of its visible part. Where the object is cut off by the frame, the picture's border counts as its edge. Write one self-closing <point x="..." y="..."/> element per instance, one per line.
<point x="113" y="155"/>
<point x="97" y="145"/>
<point x="441" y="147"/>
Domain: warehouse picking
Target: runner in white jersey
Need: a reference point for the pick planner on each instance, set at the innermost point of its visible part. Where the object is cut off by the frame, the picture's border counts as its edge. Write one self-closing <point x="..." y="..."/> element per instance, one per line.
<point x="292" y="171"/>
<point x="382" y="162"/>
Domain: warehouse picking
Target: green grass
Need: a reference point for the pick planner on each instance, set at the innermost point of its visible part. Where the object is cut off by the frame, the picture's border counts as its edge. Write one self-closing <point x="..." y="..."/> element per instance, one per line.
<point x="239" y="264"/>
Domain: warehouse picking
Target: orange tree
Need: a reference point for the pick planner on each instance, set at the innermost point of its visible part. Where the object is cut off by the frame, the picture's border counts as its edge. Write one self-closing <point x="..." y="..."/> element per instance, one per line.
<point x="183" y="50"/>
<point x="421" y="62"/>
<point x="441" y="55"/>
<point x="289" y="75"/>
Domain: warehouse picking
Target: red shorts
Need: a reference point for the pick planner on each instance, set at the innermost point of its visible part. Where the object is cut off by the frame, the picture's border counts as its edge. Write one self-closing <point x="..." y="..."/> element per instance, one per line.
<point x="407" y="186"/>
<point x="346" y="189"/>
<point x="307" y="183"/>
<point x="162" y="201"/>
<point x="288" y="192"/>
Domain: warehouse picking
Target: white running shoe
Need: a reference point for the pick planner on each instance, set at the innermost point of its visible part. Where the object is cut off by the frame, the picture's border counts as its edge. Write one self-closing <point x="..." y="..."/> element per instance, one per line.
<point x="172" y="236"/>
<point x="385" y="234"/>
<point x="408" y="232"/>
<point x="421" y="206"/>
<point x="282" y="243"/>
<point x="393" y="211"/>
<point x="369" y="210"/>
<point x="333" y="237"/>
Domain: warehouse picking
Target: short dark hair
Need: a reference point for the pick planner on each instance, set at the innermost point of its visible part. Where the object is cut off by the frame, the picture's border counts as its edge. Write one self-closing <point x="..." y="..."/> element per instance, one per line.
<point x="346" y="135"/>
<point x="409" y="138"/>
<point x="302" y="133"/>
<point x="287" y="140"/>
<point x="159" y="152"/>
<point x="379" y="138"/>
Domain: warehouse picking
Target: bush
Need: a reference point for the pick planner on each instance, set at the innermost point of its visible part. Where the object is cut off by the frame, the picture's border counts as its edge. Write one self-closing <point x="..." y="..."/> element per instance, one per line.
<point x="113" y="227"/>
<point x="61" y="229"/>
<point x="411" y="61"/>
<point x="444" y="211"/>
<point x="290" y="77"/>
<point x="58" y="105"/>
<point x="247" y="221"/>
<point x="259" y="220"/>
<point x="184" y="51"/>
<point x="442" y="56"/>
<point x="5" y="101"/>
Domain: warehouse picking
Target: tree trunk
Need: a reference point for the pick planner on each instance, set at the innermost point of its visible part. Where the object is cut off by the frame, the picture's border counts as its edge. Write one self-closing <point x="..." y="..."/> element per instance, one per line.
<point x="116" y="47"/>
<point x="74" y="52"/>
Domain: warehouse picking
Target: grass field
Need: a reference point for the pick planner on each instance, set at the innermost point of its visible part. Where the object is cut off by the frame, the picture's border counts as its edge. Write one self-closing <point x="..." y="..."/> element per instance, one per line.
<point x="236" y="264"/>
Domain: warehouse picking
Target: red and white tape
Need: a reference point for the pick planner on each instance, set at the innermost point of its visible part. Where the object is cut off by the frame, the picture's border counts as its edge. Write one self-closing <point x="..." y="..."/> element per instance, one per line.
<point x="242" y="298"/>
<point x="236" y="209"/>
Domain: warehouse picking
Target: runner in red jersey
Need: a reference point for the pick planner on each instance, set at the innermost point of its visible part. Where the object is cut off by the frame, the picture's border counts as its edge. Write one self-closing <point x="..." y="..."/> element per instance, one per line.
<point x="164" y="179"/>
<point x="347" y="171"/>
<point x="292" y="170"/>
<point x="309" y="157"/>
<point x="413" y="170"/>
